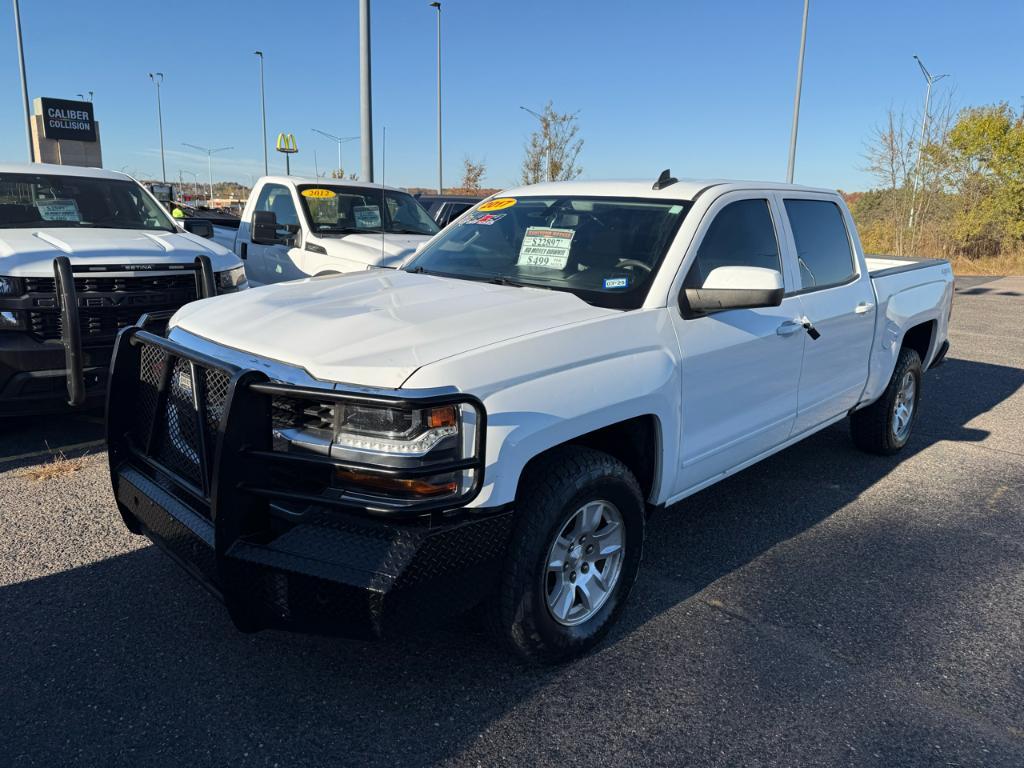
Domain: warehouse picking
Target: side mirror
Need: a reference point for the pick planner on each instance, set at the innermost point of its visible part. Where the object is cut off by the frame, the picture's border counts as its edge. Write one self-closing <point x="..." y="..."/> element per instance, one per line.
<point x="734" y="288"/>
<point x="264" y="228"/>
<point x="201" y="227"/>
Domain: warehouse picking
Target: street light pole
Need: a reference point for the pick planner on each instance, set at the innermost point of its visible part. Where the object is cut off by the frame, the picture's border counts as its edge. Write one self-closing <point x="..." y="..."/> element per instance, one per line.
<point x="931" y="79"/>
<point x="796" y="99"/>
<point x="24" y="84"/>
<point x="440" y="184"/>
<point x="547" y="149"/>
<point x="365" y="94"/>
<point x="160" y="119"/>
<point x="209" y="162"/>
<point x="339" y="140"/>
<point x="263" y="109"/>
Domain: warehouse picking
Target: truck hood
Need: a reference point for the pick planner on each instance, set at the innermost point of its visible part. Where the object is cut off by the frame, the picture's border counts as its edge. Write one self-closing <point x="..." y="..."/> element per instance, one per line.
<point x="30" y="252"/>
<point x="376" y="328"/>
<point x="367" y="248"/>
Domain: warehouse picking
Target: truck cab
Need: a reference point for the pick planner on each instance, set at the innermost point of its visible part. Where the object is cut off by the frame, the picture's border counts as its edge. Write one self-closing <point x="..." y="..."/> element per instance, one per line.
<point x="293" y="228"/>
<point x="84" y="253"/>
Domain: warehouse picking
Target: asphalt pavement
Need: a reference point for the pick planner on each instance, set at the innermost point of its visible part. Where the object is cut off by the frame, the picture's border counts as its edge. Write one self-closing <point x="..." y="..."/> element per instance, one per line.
<point x="821" y="608"/>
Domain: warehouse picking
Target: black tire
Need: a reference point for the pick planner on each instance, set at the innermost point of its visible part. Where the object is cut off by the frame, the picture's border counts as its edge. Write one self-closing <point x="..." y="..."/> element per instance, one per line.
<point x="550" y="493"/>
<point x="872" y="427"/>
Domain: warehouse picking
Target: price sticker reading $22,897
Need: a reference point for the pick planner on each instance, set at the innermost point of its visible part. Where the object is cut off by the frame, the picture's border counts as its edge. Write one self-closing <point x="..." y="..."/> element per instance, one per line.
<point x="545" y="247"/>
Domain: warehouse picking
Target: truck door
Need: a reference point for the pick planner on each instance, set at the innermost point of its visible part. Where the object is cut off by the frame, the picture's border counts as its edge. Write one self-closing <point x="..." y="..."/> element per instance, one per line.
<point x="838" y="300"/>
<point x="275" y="263"/>
<point x="740" y="368"/>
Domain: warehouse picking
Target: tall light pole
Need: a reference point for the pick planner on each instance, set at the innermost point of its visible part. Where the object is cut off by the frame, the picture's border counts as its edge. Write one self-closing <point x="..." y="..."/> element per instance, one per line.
<point x="263" y="109"/>
<point x="209" y="161"/>
<point x="339" y="140"/>
<point x="440" y="184"/>
<point x="931" y="80"/>
<point x="796" y="99"/>
<point x="24" y="83"/>
<point x="547" y="152"/>
<point x="365" y="95"/>
<point x="195" y="181"/>
<point x="160" y="119"/>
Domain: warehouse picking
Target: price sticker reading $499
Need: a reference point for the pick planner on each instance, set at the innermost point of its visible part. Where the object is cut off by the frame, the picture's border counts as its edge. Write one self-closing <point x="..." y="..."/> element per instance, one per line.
<point x="545" y="247"/>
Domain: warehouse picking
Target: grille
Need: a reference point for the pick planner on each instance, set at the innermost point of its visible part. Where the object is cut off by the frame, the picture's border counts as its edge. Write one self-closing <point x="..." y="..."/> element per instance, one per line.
<point x="108" y="304"/>
<point x="169" y="425"/>
<point x="293" y="413"/>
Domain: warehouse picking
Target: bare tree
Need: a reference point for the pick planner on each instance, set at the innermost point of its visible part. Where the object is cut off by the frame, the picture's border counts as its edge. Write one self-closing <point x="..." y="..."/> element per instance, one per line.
<point x="890" y="155"/>
<point x="552" y="152"/>
<point x="472" y="173"/>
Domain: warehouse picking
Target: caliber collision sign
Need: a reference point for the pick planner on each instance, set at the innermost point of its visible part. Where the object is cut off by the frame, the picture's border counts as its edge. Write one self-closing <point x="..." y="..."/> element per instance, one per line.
<point x="64" y="119"/>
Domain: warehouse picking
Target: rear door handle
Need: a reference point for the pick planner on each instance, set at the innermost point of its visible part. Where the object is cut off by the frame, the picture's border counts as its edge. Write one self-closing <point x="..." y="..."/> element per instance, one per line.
<point x="864" y="307"/>
<point x="790" y="327"/>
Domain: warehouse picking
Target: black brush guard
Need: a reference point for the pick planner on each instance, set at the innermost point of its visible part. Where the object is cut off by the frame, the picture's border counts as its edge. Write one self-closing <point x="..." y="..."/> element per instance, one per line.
<point x="194" y="467"/>
<point x="67" y="303"/>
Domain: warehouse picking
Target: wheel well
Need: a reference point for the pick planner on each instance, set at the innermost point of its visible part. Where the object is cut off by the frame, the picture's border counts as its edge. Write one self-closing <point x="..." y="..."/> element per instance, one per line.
<point x="919" y="338"/>
<point x="634" y="442"/>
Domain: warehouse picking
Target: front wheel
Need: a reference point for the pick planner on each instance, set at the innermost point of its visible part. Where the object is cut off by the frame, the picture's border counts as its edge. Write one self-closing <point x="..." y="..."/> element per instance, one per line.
<point x="574" y="556"/>
<point x="884" y="427"/>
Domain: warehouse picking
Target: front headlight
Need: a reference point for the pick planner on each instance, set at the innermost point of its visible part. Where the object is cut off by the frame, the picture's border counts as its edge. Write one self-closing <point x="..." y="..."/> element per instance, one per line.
<point x="10" y="286"/>
<point x="231" y="279"/>
<point x="392" y="430"/>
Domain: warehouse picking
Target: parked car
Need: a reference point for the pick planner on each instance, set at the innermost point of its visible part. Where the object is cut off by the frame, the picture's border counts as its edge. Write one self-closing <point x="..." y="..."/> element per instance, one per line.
<point x="444" y="209"/>
<point x="83" y="253"/>
<point x="293" y="228"/>
<point x="493" y="423"/>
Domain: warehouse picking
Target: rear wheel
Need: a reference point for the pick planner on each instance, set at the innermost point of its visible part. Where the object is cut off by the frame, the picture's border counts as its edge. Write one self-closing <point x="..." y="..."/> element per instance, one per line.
<point x="577" y="545"/>
<point x="884" y="427"/>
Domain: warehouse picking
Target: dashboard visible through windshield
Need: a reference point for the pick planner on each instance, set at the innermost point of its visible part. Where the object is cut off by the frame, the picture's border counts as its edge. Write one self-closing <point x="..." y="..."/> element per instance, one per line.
<point x="342" y="210"/>
<point x="603" y="249"/>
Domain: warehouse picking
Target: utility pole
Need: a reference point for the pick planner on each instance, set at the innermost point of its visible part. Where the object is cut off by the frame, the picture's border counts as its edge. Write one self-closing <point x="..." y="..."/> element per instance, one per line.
<point x="209" y="163"/>
<point x="160" y="119"/>
<point x="24" y="84"/>
<point x="365" y="95"/>
<point x="796" y="99"/>
<point x="263" y="108"/>
<point x="440" y="183"/>
<point x="931" y="79"/>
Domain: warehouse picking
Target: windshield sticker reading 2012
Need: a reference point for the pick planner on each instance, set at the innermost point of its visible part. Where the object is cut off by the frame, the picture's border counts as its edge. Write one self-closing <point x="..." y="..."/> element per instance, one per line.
<point x="545" y="247"/>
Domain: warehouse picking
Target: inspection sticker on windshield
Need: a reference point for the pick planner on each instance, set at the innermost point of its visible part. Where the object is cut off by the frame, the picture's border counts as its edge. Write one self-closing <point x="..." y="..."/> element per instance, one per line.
<point x="545" y="247"/>
<point x="58" y="210"/>
<point x="366" y="216"/>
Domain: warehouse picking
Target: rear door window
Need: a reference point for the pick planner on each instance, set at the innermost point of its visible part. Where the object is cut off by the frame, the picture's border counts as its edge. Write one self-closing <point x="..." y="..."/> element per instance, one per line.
<point x="822" y="243"/>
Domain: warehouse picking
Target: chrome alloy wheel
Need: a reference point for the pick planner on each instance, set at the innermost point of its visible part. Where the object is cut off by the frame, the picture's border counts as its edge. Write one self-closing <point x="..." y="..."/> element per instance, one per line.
<point x="584" y="563"/>
<point x="903" y="410"/>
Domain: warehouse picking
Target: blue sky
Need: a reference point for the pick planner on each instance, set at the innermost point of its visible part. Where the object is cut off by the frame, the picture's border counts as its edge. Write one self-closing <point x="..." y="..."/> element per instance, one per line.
<point x="705" y="88"/>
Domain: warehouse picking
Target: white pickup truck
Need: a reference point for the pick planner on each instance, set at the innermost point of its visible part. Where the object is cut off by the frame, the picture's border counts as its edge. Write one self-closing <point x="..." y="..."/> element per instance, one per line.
<point x="293" y="228"/>
<point x="83" y="253"/>
<point x="493" y="423"/>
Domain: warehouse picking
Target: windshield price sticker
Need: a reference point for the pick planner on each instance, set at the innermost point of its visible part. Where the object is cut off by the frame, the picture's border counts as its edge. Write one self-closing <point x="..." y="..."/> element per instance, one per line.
<point x="58" y="210"/>
<point x="367" y="216"/>
<point x="318" y="194"/>
<point x="497" y="204"/>
<point x="545" y="247"/>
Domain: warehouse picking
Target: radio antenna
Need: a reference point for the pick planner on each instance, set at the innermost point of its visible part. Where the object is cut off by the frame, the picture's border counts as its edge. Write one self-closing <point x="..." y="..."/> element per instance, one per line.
<point x="383" y="201"/>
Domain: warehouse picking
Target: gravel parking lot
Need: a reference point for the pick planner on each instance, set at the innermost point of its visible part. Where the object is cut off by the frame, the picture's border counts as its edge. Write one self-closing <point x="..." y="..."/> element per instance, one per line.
<point x="821" y="608"/>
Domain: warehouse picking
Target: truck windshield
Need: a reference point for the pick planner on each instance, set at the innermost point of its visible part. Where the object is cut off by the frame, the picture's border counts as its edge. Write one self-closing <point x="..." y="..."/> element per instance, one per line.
<point x="342" y="210"/>
<point x="605" y="250"/>
<point x="46" y="200"/>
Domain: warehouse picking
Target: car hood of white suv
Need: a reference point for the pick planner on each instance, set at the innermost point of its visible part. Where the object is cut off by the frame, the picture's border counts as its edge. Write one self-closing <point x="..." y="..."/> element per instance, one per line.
<point x="388" y="250"/>
<point x="376" y="328"/>
<point x="30" y="252"/>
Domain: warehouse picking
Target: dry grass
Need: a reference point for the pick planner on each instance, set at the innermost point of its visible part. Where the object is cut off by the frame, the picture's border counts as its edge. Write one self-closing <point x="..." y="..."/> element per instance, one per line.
<point x="1007" y="264"/>
<point x="59" y="466"/>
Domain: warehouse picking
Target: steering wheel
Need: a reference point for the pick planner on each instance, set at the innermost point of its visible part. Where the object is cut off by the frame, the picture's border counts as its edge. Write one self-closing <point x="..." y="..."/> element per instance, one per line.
<point x="635" y="263"/>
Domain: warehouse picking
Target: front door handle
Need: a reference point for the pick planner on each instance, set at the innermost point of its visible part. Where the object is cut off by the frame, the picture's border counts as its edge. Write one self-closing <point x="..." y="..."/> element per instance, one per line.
<point x="790" y="327"/>
<point x="864" y="307"/>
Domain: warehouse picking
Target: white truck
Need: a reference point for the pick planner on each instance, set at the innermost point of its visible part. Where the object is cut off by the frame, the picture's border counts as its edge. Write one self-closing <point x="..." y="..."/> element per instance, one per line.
<point x="83" y="253"/>
<point x="491" y="424"/>
<point x="293" y="228"/>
